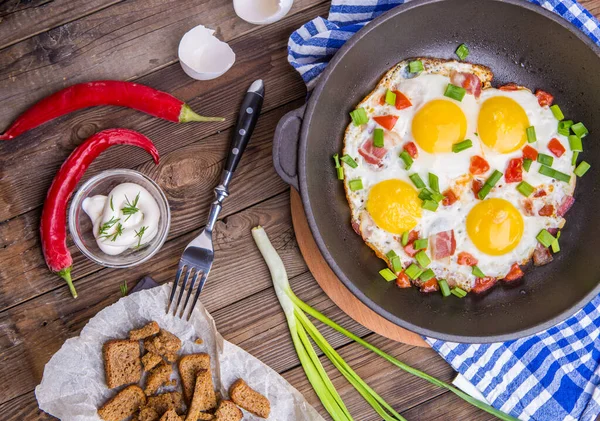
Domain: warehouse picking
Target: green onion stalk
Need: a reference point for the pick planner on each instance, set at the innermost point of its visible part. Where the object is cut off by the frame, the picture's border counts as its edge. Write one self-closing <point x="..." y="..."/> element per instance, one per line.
<point x="301" y="328"/>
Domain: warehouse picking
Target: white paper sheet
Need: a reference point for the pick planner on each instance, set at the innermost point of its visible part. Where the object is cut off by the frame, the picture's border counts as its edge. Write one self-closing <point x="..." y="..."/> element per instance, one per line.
<point x="73" y="385"/>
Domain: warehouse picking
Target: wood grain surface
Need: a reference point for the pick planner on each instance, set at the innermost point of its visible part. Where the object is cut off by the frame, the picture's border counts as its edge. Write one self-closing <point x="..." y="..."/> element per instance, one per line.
<point x="46" y="45"/>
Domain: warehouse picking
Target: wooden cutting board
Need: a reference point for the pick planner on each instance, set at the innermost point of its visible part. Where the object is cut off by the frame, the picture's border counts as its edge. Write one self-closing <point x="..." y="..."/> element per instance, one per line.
<point x="334" y="288"/>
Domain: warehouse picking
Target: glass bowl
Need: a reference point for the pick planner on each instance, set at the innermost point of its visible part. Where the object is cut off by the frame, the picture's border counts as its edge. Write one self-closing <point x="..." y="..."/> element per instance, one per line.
<point x="81" y="225"/>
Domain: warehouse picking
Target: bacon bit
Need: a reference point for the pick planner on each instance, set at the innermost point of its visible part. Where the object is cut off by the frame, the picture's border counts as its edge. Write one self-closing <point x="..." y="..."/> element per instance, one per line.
<point x="553" y="231"/>
<point x="468" y="81"/>
<point x="528" y="207"/>
<point x="372" y="154"/>
<point x="413" y="236"/>
<point x="449" y="198"/>
<point x="409" y="248"/>
<point x="556" y="147"/>
<point x="483" y="284"/>
<point x="402" y="101"/>
<point x="509" y="87"/>
<point x="442" y="244"/>
<point x="565" y="205"/>
<point x="430" y="286"/>
<point x="467" y="259"/>
<point x="541" y="256"/>
<point x="530" y="153"/>
<point x="412" y="150"/>
<point x="478" y="165"/>
<point x="356" y="227"/>
<point x="546" y="210"/>
<point x="540" y="193"/>
<point x="386" y="121"/>
<point x="403" y="280"/>
<point x="514" y="273"/>
<point x="514" y="172"/>
<point x="544" y="98"/>
<point x="477" y="185"/>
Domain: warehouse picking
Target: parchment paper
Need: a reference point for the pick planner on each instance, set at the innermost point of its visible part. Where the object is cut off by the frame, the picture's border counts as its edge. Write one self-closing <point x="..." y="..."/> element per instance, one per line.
<point x="73" y="384"/>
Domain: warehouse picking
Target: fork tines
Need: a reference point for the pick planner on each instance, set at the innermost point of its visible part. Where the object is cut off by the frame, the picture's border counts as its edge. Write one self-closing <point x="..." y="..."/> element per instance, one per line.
<point x="185" y="272"/>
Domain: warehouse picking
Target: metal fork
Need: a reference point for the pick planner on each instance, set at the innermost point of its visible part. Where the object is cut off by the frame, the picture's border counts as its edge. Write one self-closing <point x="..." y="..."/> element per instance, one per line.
<point x="198" y="256"/>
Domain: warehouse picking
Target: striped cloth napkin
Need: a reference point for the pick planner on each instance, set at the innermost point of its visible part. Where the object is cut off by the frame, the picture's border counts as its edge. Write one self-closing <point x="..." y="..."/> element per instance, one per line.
<point x="551" y="376"/>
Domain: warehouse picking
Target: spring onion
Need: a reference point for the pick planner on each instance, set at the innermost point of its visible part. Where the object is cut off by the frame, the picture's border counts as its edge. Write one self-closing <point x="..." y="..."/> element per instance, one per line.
<point x="438" y="197"/>
<point x="390" y="97"/>
<point x="444" y="288"/>
<point x="557" y="112"/>
<point x="579" y="129"/>
<point x="434" y="182"/>
<point x="477" y="272"/>
<point x="460" y="293"/>
<point x="359" y="117"/>
<point x="582" y="168"/>
<point x="544" y="159"/>
<point x="340" y="173"/>
<point x="355" y="184"/>
<point x="415" y="66"/>
<point x="423" y="259"/>
<point x="455" y="92"/>
<point x="494" y="178"/>
<point x="396" y="264"/>
<point x="461" y="146"/>
<point x="462" y="51"/>
<point x="484" y="191"/>
<point x="349" y="161"/>
<point x="413" y="271"/>
<point x="527" y="164"/>
<point x="378" y="138"/>
<point x="425" y="194"/>
<point x="574" y="158"/>
<point x="551" y="172"/>
<point x="525" y="188"/>
<point x="545" y="238"/>
<point x="387" y="274"/>
<point x="420" y="244"/>
<point x="564" y="127"/>
<point x="404" y="241"/>
<point x="531" y="136"/>
<point x="391" y="254"/>
<point x="427" y="275"/>
<point x="417" y="181"/>
<point x="575" y="143"/>
<point x="336" y="159"/>
<point x="555" y="246"/>
<point x="408" y="161"/>
<point x="430" y="205"/>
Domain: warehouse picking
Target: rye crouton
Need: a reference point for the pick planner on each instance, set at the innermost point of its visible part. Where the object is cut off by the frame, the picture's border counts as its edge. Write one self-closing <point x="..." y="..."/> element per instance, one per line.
<point x="151" y="360"/>
<point x="165" y="401"/>
<point x="204" y="398"/>
<point x="157" y="377"/>
<point x="189" y="366"/>
<point x="205" y="416"/>
<point x="148" y="414"/>
<point x="150" y="329"/>
<point x="171" y="415"/>
<point x="227" y="411"/>
<point x="163" y="344"/>
<point x="249" y="399"/>
<point x="123" y="405"/>
<point x="122" y="363"/>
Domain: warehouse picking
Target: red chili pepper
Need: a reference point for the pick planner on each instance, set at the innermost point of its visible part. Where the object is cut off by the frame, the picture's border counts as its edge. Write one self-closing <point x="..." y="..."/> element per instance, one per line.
<point x="104" y="92"/>
<point x="54" y="220"/>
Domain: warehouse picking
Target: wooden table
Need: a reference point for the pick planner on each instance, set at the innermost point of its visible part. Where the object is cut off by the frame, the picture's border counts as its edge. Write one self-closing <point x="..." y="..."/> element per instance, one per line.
<point x="46" y="45"/>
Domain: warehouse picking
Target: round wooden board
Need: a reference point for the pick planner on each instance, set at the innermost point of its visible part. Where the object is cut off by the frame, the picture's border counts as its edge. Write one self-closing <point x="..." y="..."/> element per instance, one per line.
<point x="334" y="288"/>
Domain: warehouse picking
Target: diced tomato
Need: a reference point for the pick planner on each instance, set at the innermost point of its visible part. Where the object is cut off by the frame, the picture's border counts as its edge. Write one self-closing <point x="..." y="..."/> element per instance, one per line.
<point x="544" y="98"/>
<point x="449" y="198"/>
<point x="442" y="244"/>
<point x="476" y="186"/>
<point x="546" y="210"/>
<point x="386" y="121"/>
<point x="466" y="259"/>
<point x="372" y="154"/>
<point x="514" y="273"/>
<point x="540" y="193"/>
<point x="470" y="82"/>
<point x="412" y="150"/>
<point x="402" y="101"/>
<point x="430" y="286"/>
<point x="514" y="172"/>
<point x="565" y="205"/>
<point x="483" y="284"/>
<point x="403" y="280"/>
<point x="530" y="153"/>
<point x="509" y="87"/>
<point x="556" y="147"/>
<point x="478" y="165"/>
<point x="413" y="236"/>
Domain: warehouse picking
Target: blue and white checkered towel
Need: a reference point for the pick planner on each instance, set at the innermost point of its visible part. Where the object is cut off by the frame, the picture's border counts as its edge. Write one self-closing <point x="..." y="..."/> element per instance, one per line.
<point x="551" y="376"/>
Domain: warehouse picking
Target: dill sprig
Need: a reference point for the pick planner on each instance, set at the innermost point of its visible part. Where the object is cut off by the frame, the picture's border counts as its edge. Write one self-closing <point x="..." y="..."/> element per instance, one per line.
<point x="112" y="208"/>
<point x="139" y="235"/>
<point x="107" y="225"/>
<point x="130" y="208"/>
<point x="123" y="288"/>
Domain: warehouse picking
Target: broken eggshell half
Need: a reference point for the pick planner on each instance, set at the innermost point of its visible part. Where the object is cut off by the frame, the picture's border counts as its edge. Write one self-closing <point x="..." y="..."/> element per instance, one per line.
<point x="202" y="55"/>
<point x="262" y="12"/>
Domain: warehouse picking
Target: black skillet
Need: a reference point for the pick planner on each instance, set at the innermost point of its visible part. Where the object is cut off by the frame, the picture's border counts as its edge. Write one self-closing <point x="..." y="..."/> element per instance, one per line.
<point x="521" y="43"/>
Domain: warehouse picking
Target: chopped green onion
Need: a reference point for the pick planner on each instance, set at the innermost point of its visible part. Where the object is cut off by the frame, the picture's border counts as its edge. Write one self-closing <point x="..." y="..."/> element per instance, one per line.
<point x="396" y="264"/>
<point x="544" y="159"/>
<point x="531" y="136"/>
<point x="444" y="288"/>
<point x="555" y="246"/>
<point x="340" y="173"/>
<point x="390" y="97"/>
<point x="387" y="274"/>
<point x="408" y="161"/>
<point x="425" y="194"/>
<point x="422" y="259"/>
<point x="582" y="168"/>
<point x="485" y="190"/>
<point x="391" y="254"/>
<point x="556" y="111"/>
<point x="404" y="241"/>
<point x="359" y="116"/>
<point x="525" y="188"/>
<point x="413" y="271"/>
<point x="427" y="275"/>
<point x="455" y="92"/>
<point x="336" y="158"/>
<point x="564" y="127"/>
<point x="430" y="205"/>
<point x="459" y="292"/>
<point x="494" y="178"/>
<point x="551" y="172"/>
<point x="462" y="51"/>
<point x="477" y="272"/>
<point x="434" y="182"/>
<point x="355" y="184"/>
<point x="575" y="143"/>
<point x="545" y="238"/>
<point x="527" y="164"/>
<point x="417" y="181"/>
<point x="420" y="244"/>
<point x="461" y="146"/>
<point x="438" y="197"/>
<point x="579" y="129"/>
<point x="348" y="160"/>
<point x="574" y="159"/>
<point x="378" y="138"/>
<point x="415" y="66"/>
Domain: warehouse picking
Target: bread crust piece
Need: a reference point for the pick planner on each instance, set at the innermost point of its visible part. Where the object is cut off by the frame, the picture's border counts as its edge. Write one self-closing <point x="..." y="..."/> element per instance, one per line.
<point x="228" y="411"/>
<point x="122" y="364"/>
<point x="148" y="414"/>
<point x="164" y="344"/>
<point x="157" y="377"/>
<point x="151" y="360"/>
<point x="165" y="401"/>
<point x="150" y="329"/>
<point x="123" y="405"/>
<point x="188" y="368"/>
<point x="204" y="398"/>
<point x="249" y="399"/>
<point x="170" y="415"/>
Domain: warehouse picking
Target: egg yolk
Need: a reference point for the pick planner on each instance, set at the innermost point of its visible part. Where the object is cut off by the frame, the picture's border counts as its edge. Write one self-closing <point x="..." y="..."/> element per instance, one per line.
<point x="394" y="205"/>
<point x="495" y="226"/>
<point x="438" y="125"/>
<point x="502" y="124"/>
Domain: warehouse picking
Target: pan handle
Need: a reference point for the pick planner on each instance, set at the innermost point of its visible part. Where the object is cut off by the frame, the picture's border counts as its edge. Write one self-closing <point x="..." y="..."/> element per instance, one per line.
<point x="285" y="146"/>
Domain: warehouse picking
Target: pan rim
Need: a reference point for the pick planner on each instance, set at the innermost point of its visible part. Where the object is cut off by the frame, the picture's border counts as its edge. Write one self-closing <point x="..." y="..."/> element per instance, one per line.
<point x="302" y="182"/>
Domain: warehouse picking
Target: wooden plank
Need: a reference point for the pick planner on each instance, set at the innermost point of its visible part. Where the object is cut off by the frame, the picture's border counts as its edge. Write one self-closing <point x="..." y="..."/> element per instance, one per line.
<point x="28" y="164"/>
<point x="20" y="20"/>
<point x="447" y="406"/>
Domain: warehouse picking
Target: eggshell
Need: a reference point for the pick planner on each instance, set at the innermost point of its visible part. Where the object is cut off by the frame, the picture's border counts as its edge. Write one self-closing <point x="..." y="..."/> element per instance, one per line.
<point x="203" y="56"/>
<point x="262" y="12"/>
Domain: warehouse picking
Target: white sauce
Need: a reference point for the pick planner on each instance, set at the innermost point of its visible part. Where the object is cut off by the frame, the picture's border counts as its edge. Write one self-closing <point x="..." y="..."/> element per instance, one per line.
<point x="127" y="218"/>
